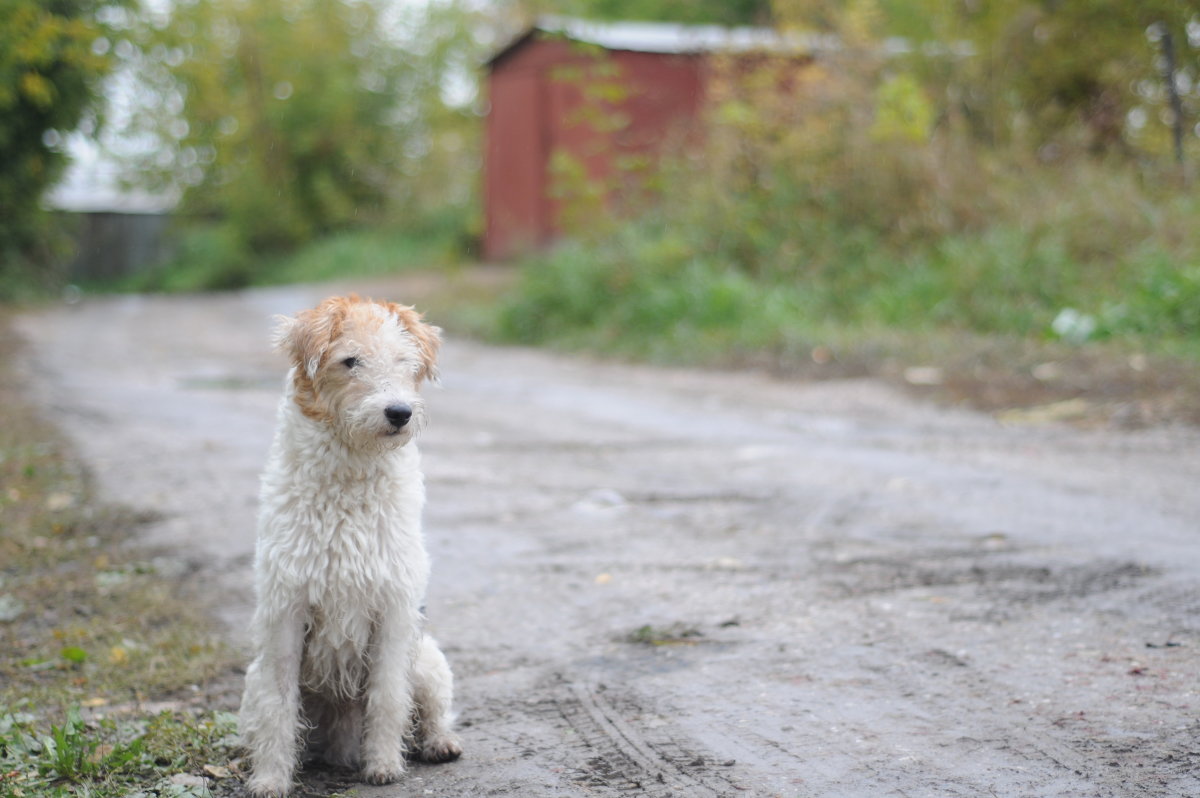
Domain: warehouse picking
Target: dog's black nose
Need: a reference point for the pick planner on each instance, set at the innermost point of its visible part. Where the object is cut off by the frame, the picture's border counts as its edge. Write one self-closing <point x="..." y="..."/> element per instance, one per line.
<point x="398" y="414"/>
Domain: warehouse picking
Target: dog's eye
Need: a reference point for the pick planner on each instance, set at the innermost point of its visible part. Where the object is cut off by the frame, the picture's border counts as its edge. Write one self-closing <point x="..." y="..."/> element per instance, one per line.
<point x="350" y="362"/>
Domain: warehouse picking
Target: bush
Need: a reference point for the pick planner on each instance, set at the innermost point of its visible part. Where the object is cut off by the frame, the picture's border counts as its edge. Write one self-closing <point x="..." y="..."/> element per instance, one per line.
<point x="209" y="257"/>
<point x="1163" y="303"/>
<point x="213" y="257"/>
<point x="839" y="204"/>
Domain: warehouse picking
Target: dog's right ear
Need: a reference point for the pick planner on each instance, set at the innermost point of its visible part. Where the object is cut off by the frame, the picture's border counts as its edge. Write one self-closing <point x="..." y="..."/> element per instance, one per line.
<point x="306" y="339"/>
<point x="281" y="334"/>
<point x="286" y="339"/>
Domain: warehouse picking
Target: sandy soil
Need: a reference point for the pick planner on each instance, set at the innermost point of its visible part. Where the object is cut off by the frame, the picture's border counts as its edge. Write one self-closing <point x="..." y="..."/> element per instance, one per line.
<point x="655" y="582"/>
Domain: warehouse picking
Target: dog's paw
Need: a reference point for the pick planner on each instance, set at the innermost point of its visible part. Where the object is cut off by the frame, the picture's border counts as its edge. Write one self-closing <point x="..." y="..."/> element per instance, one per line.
<point x="383" y="773"/>
<point x="268" y="786"/>
<point x="443" y="748"/>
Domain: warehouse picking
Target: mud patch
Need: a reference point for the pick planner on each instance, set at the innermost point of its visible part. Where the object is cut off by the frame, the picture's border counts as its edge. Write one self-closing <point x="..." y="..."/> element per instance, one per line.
<point x="1147" y="765"/>
<point x="1001" y="580"/>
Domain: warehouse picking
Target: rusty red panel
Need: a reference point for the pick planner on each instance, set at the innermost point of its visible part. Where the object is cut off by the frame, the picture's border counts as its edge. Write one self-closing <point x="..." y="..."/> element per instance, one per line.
<point x="546" y="96"/>
<point x="514" y="165"/>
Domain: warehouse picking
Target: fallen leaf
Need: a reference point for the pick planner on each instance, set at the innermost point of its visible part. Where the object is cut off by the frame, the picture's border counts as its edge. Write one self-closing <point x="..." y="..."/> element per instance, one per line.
<point x="924" y="375"/>
<point x="218" y="772"/>
<point x="11" y="608"/>
<point x="1056" y="412"/>
<point x="73" y="654"/>
<point x="1047" y="372"/>
<point x="59" y="501"/>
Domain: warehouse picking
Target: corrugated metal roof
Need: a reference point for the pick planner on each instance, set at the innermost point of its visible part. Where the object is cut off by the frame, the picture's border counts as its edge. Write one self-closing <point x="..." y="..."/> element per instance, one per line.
<point x="667" y="37"/>
<point x="674" y="38"/>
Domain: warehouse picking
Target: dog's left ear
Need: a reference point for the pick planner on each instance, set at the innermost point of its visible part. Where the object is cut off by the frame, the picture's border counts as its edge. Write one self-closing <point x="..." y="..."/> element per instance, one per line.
<point x="428" y="338"/>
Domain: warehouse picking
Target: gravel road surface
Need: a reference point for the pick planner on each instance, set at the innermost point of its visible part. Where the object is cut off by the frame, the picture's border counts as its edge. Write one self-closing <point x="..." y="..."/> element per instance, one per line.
<point x="685" y="583"/>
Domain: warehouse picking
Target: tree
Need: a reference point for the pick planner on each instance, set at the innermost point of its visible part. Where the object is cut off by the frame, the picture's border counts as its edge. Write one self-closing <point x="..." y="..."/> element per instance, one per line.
<point x="291" y="118"/>
<point x="53" y="58"/>
<point x="1083" y="71"/>
<point x="1085" y="75"/>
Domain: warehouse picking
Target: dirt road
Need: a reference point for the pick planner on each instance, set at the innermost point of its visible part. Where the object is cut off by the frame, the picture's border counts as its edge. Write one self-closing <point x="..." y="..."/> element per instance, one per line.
<point x="687" y="583"/>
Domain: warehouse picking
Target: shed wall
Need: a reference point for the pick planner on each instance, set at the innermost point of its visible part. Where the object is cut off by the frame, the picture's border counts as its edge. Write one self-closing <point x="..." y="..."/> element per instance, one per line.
<point x="596" y="106"/>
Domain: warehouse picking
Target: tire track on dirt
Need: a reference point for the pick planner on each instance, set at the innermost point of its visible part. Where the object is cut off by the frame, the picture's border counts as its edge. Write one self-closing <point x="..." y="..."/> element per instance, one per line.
<point x="610" y="749"/>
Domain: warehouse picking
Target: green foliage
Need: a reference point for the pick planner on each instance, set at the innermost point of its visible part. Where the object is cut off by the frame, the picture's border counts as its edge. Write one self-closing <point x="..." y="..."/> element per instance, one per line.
<point x="102" y="758"/>
<point x="647" y="292"/>
<point x="210" y="257"/>
<point x="70" y="753"/>
<point x="651" y="291"/>
<point x="902" y="112"/>
<point x="1073" y="72"/>
<point x="1163" y="303"/>
<point x="289" y="119"/>
<point x="52" y="59"/>
<point x="937" y="191"/>
<point x="1061" y="76"/>
<point x="766" y="267"/>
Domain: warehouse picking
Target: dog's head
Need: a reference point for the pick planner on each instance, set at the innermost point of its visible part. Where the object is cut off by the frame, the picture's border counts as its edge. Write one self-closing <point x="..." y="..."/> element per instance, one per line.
<point x="358" y="365"/>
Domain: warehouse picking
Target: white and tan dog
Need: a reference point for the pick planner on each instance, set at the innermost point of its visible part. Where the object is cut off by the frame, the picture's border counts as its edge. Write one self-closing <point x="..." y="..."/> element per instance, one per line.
<point x="341" y="661"/>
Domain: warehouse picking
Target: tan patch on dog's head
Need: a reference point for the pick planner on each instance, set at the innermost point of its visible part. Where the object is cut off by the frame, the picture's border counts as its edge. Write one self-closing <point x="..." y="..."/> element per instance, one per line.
<point x="309" y="338"/>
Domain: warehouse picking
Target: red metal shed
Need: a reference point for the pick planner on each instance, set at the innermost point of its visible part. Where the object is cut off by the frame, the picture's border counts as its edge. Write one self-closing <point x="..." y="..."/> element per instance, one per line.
<point x="593" y="98"/>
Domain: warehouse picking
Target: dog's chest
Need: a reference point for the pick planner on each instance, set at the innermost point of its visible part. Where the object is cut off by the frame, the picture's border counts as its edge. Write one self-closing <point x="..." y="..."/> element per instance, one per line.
<point x="348" y="542"/>
<point x="367" y="547"/>
<point x="363" y="558"/>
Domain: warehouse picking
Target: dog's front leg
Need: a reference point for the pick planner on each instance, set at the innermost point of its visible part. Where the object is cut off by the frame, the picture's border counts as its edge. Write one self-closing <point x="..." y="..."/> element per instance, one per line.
<point x="389" y="704"/>
<point x="270" y="716"/>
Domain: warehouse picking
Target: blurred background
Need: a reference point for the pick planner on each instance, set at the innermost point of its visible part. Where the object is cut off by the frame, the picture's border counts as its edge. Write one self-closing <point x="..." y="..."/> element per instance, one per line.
<point x="801" y="184"/>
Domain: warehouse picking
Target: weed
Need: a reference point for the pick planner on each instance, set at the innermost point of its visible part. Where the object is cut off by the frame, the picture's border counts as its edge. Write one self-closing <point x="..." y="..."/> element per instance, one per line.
<point x="104" y="758"/>
<point x="676" y="634"/>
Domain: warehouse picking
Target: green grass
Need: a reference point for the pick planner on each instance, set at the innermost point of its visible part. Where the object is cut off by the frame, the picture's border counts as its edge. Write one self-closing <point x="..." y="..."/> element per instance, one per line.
<point x="643" y="295"/>
<point x="157" y="755"/>
<point x="665" y="287"/>
<point x="986" y="306"/>
<point x="210" y="258"/>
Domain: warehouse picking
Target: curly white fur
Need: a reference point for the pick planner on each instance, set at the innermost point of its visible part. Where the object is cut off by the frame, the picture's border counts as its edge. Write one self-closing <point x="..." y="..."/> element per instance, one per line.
<point x="341" y="661"/>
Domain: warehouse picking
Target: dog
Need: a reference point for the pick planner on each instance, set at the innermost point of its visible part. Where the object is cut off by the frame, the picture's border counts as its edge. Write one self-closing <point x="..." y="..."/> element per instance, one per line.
<point x="341" y="663"/>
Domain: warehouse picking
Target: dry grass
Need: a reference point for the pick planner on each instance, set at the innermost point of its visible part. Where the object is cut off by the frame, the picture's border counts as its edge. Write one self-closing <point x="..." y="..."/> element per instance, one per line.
<point x="90" y="622"/>
<point x="89" y="617"/>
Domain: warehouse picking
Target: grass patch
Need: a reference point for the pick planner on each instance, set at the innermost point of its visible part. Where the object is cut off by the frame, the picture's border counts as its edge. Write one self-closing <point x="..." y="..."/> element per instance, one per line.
<point x="91" y="631"/>
<point x="210" y="257"/>
<point x="985" y="310"/>
<point x="802" y="234"/>
<point x="164" y="754"/>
